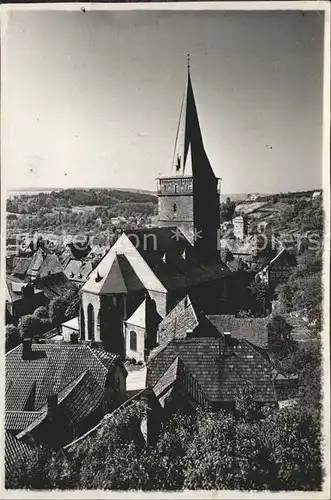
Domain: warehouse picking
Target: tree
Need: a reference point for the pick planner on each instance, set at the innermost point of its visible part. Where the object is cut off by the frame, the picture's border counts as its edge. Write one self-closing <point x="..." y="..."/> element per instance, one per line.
<point x="13" y="337"/>
<point x="41" y="312"/>
<point x="72" y="302"/>
<point x="227" y="210"/>
<point x="226" y="454"/>
<point x="280" y="341"/>
<point x="29" y="326"/>
<point x="57" y="308"/>
<point x="31" y="473"/>
<point x="261" y="295"/>
<point x="293" y="437"/>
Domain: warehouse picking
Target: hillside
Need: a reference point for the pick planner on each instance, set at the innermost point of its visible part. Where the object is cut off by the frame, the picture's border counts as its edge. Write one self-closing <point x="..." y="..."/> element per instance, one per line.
<point x="80" y="209"/>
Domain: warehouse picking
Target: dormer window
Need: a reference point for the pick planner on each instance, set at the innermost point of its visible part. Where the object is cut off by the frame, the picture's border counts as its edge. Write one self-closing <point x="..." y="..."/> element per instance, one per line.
<point x="97" y="278"/>
<point x="164" y="257"/>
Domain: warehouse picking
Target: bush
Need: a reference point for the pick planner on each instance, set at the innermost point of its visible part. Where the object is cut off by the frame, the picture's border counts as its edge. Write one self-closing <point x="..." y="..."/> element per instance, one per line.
<point x="13" y="337"/>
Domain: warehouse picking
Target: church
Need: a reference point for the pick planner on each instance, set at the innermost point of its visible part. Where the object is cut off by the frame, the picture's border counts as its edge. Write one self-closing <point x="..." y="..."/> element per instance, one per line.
<point x="147" y="272"/>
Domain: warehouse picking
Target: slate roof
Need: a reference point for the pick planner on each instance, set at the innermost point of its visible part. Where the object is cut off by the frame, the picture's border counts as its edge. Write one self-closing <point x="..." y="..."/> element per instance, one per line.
<point x="55" y="285"/>
<point x="181" y="318"/>
<point x="251" y="329"/>
<point x="190" y="157"/>
<point x="119" y="283"/>
<point x="77" y="270"/>
<point x="16" y="421"/>
<point x="52" y="368"/>
<point x="179" y="273"/>
<point x="158" y="239"/>
<point x="219" y="369"/>
<point x="21" y="265"/>
<point x="177" y="376"/>
<point x="15" y="451"/>
<point x="201" y="356"/>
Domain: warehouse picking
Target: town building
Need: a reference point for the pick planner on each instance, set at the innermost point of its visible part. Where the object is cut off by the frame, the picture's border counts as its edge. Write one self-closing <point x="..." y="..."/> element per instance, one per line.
<point x="278" y="270"/>
<point x="56" y="392"/>
<point x="77" y="271"/>
<point x="21" y="298"/>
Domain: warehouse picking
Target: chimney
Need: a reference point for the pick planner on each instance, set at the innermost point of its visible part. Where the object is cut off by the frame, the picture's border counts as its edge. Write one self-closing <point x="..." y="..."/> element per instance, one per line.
<point x="52" y="405"/>
<point x="26" y="349"/>
<point x="74" y="338"/>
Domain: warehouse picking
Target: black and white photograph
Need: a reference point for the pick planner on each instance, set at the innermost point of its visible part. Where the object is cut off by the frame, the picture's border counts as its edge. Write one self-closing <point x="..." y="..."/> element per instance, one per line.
<point x="165" y="243"/>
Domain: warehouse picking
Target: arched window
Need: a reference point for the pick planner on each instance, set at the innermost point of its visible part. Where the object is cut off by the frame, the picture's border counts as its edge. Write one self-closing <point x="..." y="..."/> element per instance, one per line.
<point x="175" y="208"/>
<point x="90" y="321"/>
<point x="82" y="324"/>
<point x="133" y="341"/>
<point x="175" y="188"/>
<point x="98" y="323"/>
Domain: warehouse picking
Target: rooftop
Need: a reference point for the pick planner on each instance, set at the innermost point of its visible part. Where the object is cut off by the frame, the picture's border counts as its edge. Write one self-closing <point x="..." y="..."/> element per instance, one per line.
<point x="220" y="369"/>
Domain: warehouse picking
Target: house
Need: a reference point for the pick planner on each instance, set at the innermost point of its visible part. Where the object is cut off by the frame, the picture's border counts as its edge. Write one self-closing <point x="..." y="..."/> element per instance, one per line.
<point x="55" y="285"/>
<point x="21" y="266"/>
<point x="278" y="270"/>
<point x="202" y="360"/>
<point x="253" y="330"/>
<point x="21" y="298"/>
<point x="164" y="263"/>
<point x="208" y="372"/>
<point x="78" y="271"/>
<point x="146" y="428"/>
<point x="56" y="392"/>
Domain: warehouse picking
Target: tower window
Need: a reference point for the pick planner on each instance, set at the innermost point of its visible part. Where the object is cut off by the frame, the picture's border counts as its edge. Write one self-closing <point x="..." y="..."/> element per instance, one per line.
<point x="90" y="321"/>
<point x="178" y="163"/>
<point x="175" y="188"/>
<point x="133" y="341"/>
<point x="175" y="208"/>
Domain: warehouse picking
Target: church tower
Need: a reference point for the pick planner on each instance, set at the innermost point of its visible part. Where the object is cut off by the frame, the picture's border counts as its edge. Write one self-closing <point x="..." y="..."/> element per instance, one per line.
<point x="189" y="197"/>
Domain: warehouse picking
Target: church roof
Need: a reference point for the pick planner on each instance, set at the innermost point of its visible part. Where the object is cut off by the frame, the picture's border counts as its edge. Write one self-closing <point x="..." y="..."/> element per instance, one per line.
<point x="138" y="318"/>
<point x="114" y="275"/>
<point x="190" y="158"/>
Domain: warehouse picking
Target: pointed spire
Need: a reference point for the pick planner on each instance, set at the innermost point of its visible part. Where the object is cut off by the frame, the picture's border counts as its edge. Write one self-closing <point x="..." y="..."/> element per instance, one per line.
<point x="189" y="154"/>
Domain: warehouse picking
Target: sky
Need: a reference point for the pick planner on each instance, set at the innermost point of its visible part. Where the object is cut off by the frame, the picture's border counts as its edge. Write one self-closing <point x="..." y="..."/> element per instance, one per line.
<point x="93" y="99"/>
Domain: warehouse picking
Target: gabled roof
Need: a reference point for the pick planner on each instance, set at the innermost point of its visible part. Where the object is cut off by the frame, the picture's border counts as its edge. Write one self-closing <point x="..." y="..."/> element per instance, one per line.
<point x="36" y="263"/>
<point x="78" y="270"/>
<point x="16" y="421"/>
<point x="219" y="368"/>
<point x="251" y="329"/>
<point x="15" y="288"/>
<point x="75" y="402"/>
<point x="15" y="451"/>
<point x="55" y="285"/>
<point x="177" y="376"/>
<point x="112" y="279"/>
<point x="189" y="157"/>
<point x="50" y="370"/>
<point x="138" y="318"/>
<point x="21" y="265"/>
<point x="180" y="319"/>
